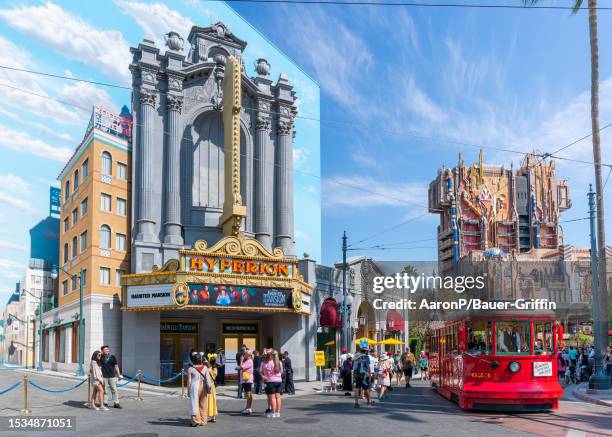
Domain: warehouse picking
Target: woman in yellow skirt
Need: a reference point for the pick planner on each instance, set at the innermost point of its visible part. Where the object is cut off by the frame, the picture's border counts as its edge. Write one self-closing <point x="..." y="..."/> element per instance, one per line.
<point x="212" y="396"/>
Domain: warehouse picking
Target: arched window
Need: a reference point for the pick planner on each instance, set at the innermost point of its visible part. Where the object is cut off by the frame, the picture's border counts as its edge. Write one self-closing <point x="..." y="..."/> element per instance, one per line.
<point x="67" y="191"/>
<point x="65" y="252"/>
<point x="75" y="247"/>
<point x="105" y="237"/>
<point x="107" y="164"/>
<point x="75" y="184"/>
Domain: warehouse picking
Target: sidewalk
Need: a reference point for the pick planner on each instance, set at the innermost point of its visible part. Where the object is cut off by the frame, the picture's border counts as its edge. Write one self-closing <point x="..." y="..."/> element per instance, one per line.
<point x="598" y="397"/>
<point x="302" y="388"/>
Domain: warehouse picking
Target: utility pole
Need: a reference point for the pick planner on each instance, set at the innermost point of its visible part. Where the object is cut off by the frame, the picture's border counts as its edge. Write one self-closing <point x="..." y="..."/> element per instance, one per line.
<point x="599" y="296"/>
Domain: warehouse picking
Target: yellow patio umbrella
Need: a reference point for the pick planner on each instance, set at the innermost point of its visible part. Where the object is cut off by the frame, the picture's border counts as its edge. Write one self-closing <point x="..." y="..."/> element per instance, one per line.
<point x="369" y="340"/>
<point x="329" y="343"/>
<point x="392" y="341"/>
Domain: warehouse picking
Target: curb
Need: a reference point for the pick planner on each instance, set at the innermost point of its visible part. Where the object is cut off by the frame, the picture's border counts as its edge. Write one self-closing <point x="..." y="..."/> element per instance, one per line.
<point x="591" y="399"/>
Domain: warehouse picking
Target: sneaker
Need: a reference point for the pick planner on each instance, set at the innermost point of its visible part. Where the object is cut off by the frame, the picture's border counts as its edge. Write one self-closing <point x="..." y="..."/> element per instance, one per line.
<point x="276" y="415"/>
<point x="118" y="406"/>
<point x="95" y="408"/>
<point x="246" y="412"/>
<point x="267" y="411"/>
<point x="269" y="414"/>
<point x="103" y="409"/>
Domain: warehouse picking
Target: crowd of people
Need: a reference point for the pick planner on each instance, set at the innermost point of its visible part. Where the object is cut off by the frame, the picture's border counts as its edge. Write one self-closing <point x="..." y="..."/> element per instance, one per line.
<point x="367" y="371"/>
<point x="577" y="365"/>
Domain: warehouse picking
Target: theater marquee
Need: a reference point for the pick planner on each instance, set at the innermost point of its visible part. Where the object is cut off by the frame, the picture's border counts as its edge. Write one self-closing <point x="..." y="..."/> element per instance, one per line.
<point x="236" y="274"/>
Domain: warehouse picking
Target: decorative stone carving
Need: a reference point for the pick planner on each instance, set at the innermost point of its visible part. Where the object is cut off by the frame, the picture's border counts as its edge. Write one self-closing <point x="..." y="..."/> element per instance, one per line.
<point x="284" y="127"/>
<point x="241" y="246"/>
<point x="175" y="83"/>
<point x="172" y="265"/>
<point x="174" y="103"/>
<point x="262" y="124"/>
<point x="148" y="97"/>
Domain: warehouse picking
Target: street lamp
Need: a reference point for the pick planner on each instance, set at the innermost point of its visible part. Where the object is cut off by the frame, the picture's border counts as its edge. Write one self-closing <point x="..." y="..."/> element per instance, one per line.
<point x="54" y="275"/>
<point x="40" y="326"/>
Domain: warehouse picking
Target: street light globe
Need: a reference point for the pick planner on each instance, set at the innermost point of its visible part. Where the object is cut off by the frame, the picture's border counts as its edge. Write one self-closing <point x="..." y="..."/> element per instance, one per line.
<point x="348" y="299"/>
<point x="54" y="273"/>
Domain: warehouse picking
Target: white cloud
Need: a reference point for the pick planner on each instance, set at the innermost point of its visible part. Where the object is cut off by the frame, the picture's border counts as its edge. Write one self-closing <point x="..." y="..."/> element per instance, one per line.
<point x="309" y="189"/>
<point x="301" y="235"/>
<point x="15" y="202"/>
<point x="420" y="104"/>
<point x="7" y="265"/>
<point x="338" y="57"/>
<point x="73" y="37"/>
<point x="12" y="81"/>
<point x="368" y="192"/>
<point x="86" y="96"/>
<point x="156" y="19"/>
<point x="300" y="157"/>
<point x="14" y="184"/>
<point x="42" y="129"/>
<point x="22" y="142"/>
<point x="7" y="245"/>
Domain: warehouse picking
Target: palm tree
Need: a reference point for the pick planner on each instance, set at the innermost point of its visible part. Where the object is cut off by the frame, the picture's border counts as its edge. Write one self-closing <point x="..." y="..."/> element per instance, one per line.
<point x="600" y="296"/>
<point x="410" y="270"/>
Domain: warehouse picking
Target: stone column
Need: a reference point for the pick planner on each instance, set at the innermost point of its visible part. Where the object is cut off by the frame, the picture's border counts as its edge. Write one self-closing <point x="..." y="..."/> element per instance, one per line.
<point x="146" y="224"/>
<point x="284" y="186"/>
<point x="172" y="225"/>
<point x="262" y="228"/>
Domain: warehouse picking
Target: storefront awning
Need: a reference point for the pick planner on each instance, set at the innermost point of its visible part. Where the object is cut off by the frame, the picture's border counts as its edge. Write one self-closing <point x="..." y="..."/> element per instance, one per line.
<point x="329" y="314"/>
<point x="395" y="321"/>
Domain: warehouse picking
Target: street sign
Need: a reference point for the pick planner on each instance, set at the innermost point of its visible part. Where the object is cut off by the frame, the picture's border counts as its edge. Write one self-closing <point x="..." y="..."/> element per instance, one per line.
<point x="319" y="358"/>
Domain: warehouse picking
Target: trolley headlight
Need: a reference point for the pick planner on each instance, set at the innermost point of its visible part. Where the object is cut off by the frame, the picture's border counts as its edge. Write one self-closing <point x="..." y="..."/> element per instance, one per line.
<point x="514" y="366"/>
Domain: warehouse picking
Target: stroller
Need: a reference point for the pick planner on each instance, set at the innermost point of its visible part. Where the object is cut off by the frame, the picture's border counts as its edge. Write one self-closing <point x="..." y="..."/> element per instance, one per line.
<point x="570" y="375"/>
<point x="585" y="372"/>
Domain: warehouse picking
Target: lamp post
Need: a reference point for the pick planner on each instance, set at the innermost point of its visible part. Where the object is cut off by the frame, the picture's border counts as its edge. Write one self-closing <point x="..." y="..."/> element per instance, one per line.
<point x="40" y="324"/>
<point x="54" y="275"/>
<point x="345" y="310"/>
<point x="598" y="380"/>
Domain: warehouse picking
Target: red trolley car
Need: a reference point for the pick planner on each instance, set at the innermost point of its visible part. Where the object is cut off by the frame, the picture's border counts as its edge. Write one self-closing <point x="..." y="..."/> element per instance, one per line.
<point x="497" y="361"/>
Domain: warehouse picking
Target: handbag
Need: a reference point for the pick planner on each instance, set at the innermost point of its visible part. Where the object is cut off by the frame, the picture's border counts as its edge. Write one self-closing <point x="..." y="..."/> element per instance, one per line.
<point x="246" y="375"/>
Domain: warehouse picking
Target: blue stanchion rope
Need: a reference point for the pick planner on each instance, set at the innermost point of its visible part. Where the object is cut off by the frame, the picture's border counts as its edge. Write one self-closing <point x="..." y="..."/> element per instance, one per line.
<point x="10" y="388"/>
<point x="161" y="381"/>
<point x="123" y="384"/>
<point x="57" y="390"/>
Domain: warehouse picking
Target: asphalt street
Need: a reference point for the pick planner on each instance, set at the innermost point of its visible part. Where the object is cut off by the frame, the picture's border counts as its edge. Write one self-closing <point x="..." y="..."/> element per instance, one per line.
<point x="417" y="411"/>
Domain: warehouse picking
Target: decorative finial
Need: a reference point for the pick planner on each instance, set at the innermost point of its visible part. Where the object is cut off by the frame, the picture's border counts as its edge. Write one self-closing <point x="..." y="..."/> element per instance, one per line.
<point x="262" y="67"/>
<point x="174" y="41"/>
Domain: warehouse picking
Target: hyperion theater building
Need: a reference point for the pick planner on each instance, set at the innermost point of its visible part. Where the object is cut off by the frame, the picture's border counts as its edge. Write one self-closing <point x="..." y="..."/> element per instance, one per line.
<point x="213" y="249"/>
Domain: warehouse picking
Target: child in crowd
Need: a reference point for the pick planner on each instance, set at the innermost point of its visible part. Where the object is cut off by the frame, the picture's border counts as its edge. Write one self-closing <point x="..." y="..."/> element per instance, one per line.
<point x="333" y="378"/>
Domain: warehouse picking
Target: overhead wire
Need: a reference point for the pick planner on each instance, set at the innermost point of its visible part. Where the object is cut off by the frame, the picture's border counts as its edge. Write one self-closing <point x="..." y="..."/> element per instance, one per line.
<point x="510" y="148"/>
<point x="418" y="4"/>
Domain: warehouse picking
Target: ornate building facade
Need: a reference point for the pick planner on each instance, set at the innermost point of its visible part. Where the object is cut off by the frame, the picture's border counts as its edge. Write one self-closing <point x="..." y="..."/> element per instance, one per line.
<point x="179" y="153"/>
<point x="490" y="208"/>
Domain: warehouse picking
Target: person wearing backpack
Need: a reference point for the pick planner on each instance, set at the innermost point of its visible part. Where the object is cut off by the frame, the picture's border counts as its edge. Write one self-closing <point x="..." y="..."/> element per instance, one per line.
<point x="363" y="375"/>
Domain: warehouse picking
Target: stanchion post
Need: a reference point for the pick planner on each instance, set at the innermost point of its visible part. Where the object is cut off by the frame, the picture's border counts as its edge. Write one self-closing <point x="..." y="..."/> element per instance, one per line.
<point x="139" y="374"/>
<point x="183" y="384"/>
<point x="25" y="408"/>
<point x="88" y="403"/>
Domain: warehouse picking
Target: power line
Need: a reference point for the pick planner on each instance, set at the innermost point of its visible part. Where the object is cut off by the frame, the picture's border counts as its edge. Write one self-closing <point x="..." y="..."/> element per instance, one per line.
<point x="574" y="220"/>
<point x="384" y="231"/>
<point x="59" y="76"/>
<point x="395" y="248"/>
<point x="366" y="127"/>
<point x="416" y="4"/>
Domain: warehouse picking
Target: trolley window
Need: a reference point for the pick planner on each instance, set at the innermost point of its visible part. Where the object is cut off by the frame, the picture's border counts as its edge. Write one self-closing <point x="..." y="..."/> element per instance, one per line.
<point x="513" y="337"/>
<point x="543" y="338"/>
<point x="479" y="338"/>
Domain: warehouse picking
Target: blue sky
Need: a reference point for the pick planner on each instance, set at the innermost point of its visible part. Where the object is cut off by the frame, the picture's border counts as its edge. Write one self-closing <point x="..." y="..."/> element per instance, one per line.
<point x="403" y="91"/>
